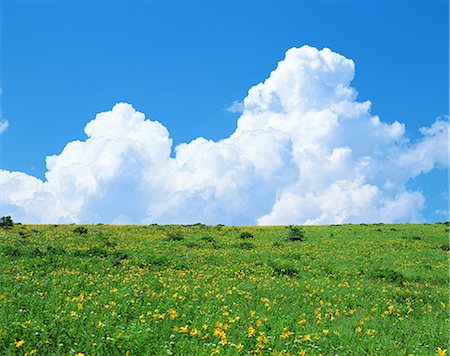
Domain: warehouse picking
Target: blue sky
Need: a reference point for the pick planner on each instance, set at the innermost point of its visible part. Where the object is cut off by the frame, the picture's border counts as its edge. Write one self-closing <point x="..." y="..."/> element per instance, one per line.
<point x="184" y="63"/>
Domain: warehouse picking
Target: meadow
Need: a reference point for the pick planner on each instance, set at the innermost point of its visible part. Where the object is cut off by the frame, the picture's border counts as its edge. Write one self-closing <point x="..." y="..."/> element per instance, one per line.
<point x="201" y="290"/>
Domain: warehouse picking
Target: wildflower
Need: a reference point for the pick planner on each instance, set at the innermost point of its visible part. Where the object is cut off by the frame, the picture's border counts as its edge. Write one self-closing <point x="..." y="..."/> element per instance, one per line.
<point x="286" y="334"/>
<point x="302" y="322"/>
<point x="251" y="331"/>
<point x="239" y="347"/>
<point x="391" y="309"/>
<point x="184" y="329"/>
<point x="100" y="324"/>
<point x="216" y="351"/>
<point x="262" y="338"/>
<point x="358" y="329"/>
<point x="19" y="343"/>
<point x="373" y="310"/>
<point x="325" y="331"/>
<point x="307" y="337"/>
<point x="173" y="314"/>
<point x="79" y="354"/>
<point x="26" y="324"/>
<point x="441" y="352"/>
<point x="371" y="332"/>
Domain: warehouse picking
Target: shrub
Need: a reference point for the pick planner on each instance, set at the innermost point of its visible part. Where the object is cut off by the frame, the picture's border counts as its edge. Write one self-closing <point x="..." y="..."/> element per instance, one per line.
<point x="295" y="234"/>
<point x="80" y="230"/>
<point x="283" y="268"/>
<point x="12" y="251"/>
<point x="278" y="244"/>
<point x="175" y="236"/>
<point x="246" y="246"/>
<point x="387" y="274"/>
<point x="207" y="238"/>
<point x="110" y="244"/>
<point x="6" y="221"/>
<point x="192" y="244"/>
<point x="246" y="235"/>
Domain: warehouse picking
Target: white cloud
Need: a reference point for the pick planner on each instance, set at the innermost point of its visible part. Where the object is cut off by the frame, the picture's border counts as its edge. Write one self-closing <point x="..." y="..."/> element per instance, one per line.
<point x="304" y="151"/>
<point x="236" y="107"/>
<point x="4" y="124"/>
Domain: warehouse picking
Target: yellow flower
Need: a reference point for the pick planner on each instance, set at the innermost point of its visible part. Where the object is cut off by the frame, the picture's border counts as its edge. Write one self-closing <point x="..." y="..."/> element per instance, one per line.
<point x="194" y="332"/>
<point x="20" y="343"/>
<point x="325" y="331"/>
<point x="307" y="337"/>
<point x="441" y="352"/>
<point x="373" y="310"/>
<point x="302" y="322"/>
<point x="173" y="314"/>
<point x="251" y="331"/>
<point x="184" y="329"/>
<point x="358" y="329"/>
<point x="80" y="354"/>
<point x="371" y="332"/>
<point x="26" y="324"/>
<point x="239" y="347"/>
<point x="216" y="351"/>
<point x="262" y="338"/>
<point x="286" y="334"/>
<point x="73" y="313"/>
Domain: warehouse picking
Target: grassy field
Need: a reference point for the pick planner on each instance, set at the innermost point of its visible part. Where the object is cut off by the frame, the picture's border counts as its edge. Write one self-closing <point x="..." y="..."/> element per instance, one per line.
<point x="202" y="290"/>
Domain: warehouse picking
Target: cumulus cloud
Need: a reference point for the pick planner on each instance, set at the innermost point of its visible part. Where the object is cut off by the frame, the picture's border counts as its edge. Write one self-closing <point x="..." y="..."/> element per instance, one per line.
<point x="4" y="124"/>
<point x="305" y="151"/>
<point x="236" y="107"/>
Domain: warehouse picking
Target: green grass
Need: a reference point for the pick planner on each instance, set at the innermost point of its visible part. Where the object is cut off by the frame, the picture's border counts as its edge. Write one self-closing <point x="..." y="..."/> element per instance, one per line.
<point x="195" y="290"/>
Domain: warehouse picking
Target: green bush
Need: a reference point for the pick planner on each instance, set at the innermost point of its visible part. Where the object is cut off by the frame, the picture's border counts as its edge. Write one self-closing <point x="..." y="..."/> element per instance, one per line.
<point x="174" y="236"/>
<point x="246" y="235"/>
<point x="207" y="238"/>
<point x="246" y="246"/>
<point x="6" y="221"/>
<point x="295" y="234"/>
<point x="80" y="230"/>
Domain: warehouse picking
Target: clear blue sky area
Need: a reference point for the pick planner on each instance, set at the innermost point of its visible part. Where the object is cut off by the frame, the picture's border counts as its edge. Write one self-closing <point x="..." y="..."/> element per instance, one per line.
<point x="184" y="62"/>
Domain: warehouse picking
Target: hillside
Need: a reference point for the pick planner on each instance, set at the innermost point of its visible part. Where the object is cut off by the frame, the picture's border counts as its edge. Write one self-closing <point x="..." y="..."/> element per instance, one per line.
<point x="199" y="290"/>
